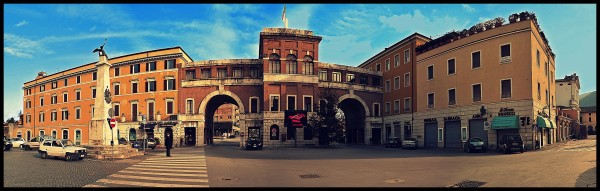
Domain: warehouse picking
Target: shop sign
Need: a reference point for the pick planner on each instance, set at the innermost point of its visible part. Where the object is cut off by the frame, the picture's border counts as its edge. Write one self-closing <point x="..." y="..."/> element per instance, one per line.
<point x="477" y="116"/>
<point x="506" y="112"/>
<point x="428" y="120"/>
<point x="296" y="118"/>
<point x="452" y="118"/>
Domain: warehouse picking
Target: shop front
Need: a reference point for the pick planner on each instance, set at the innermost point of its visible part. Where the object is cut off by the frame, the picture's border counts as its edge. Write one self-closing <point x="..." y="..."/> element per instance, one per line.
<point x="545" y="127"/>
<point x="505" y="125"/>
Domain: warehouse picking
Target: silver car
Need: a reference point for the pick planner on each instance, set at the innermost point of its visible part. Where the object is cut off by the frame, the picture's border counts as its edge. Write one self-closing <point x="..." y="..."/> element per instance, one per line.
<point x="410" y="143"/>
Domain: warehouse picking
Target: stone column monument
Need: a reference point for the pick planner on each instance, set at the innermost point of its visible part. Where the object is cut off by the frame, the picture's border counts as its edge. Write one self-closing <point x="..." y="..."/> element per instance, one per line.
<point x="100" y="132"/>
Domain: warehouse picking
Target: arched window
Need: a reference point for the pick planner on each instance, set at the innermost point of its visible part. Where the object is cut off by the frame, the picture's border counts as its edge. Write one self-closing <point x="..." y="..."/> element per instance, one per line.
<point x="292" y="64"/>
<point x="274" y="63"/>
<point x="274" y="132"/>
<point x="54" y="134"/>
<point x="308" y="65"/>
<point x="65" y="134"/>
<point x="132" y="135"/>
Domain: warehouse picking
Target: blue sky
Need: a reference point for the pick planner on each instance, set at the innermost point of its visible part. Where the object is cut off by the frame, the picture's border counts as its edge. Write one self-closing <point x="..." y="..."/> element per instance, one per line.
<point x="50" y="38"/>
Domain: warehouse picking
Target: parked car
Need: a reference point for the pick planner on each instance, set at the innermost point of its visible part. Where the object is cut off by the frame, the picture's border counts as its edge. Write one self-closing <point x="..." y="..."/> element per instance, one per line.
<point x="150" y="143"/>
<point x="35" y="142"/>
<point x="511" y="142"/>
<point x="123" y="141"/>
<point x="61" y="149"/>
<point x="17" y="141"/>
<point x="410" y="143"/>
<point x="393" y="142"/>
<point x="254" y="143"/>
<point x="7" y="144"/>
<point x="475" y="144"/>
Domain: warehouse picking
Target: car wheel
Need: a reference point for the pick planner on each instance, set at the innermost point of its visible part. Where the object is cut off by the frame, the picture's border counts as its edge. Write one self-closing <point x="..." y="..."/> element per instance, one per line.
<point x="483" y="150"/>
<point x="68" y="157"/>
<point x="22" y="147"/>
<point x="80" y="158"/>
<point x="44" y="155"/>
<point x="7" y="148"/>
<point x="521" y="149"/>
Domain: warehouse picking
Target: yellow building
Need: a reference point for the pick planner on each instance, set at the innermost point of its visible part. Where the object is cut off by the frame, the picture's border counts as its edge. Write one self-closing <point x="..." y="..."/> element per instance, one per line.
<point x="497" y="75"/>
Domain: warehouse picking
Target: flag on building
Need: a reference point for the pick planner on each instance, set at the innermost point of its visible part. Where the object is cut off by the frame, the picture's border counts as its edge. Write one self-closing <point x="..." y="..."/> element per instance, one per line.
<point x="283" y="17"/>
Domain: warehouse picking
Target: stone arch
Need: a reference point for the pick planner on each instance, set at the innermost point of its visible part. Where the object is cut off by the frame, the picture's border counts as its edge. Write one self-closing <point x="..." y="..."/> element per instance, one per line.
<point x="352" y="96"/>
<point x="204" y="102"/>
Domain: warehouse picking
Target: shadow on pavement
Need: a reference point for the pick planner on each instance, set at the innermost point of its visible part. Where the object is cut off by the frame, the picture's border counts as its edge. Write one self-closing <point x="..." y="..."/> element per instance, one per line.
<point x="587" y="178"/>
<point x="338" y="152"/>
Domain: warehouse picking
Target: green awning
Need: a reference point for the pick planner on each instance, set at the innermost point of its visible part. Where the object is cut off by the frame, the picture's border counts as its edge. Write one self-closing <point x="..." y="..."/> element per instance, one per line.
<point x="544" y="122"/>
<point x="505" y="122"/>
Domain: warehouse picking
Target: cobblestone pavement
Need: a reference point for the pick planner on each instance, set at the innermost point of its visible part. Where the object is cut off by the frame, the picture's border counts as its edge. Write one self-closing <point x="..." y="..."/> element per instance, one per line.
<point x="27" y="169"/>
<point x="180" y="170"/>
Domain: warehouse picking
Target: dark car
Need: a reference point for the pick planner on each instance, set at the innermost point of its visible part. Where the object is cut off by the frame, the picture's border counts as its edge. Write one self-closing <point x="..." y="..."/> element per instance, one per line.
<point x="254" y="143"/>
<point x="511" y="142"/>
<point x="393" y="142"/>
<point x="123" y="141"/>
<point x="475" y="144"/>
<point x="7" y="144"/>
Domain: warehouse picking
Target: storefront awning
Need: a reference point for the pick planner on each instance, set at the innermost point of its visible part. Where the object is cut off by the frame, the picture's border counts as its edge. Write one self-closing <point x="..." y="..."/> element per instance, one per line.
<point x="505" y="122"/>
<point x="544" y="122"/>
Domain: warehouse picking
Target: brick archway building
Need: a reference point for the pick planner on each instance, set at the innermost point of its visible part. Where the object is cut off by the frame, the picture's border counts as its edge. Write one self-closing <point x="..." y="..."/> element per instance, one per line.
<point x="286" y="76"/>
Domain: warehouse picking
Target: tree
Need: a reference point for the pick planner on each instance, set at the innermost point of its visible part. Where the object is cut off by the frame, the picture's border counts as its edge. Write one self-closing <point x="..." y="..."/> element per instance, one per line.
<point x="328" y="122"/>
<point x="11" y="120"/>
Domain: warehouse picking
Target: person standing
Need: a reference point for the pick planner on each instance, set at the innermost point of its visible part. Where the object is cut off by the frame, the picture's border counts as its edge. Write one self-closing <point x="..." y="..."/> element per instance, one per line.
<point x="168" y="143"/>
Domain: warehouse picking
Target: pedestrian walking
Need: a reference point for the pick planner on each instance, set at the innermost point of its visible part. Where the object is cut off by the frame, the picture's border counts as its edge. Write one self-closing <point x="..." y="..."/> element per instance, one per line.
<point x="168" y="143"/>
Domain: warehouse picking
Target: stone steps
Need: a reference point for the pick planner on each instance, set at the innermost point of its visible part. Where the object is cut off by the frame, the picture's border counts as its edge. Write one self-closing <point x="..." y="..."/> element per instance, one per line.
<point x="107" y="152"/>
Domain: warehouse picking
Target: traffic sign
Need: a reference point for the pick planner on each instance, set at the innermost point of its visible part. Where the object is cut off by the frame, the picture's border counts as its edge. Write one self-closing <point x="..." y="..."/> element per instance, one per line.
<point x="113" y="123"/>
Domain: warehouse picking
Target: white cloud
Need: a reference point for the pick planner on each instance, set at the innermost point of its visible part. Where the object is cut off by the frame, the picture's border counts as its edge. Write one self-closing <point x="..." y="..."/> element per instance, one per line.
<point x="468" y="8"/>
<point x="24" y="22"/>
<point x="299" y="15"/>
<point x="23" y="47"/>
<point x="423" y="25"/>
<point x="108" y="14"/>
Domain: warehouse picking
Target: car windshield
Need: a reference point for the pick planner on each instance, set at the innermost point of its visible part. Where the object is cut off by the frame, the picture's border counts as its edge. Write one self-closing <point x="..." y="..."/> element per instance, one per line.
<point x="514" y="138"/>
<point x="476" y="140"/>
<point x="67" y="143"/>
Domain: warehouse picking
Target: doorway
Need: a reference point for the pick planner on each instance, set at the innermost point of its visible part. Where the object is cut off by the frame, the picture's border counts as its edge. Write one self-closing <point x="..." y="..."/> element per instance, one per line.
<point x="376" y="136"/>
<point x="190" y="136"/>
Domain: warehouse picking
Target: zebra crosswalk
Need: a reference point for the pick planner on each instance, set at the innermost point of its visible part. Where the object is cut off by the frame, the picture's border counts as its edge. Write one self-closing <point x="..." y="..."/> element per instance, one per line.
<point x="181" y="170"/>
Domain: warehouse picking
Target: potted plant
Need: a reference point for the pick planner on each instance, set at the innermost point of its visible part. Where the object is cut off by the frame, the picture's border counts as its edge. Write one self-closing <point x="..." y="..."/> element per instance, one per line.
<point x="158" y="115"/>
<point x="479" y="27"/>
<point x="122" y="117"/>
<point x="488" y="24"/>
<point x="498" y="21"/>
<point x="472" y="30"/>
<point x="513" y="18"/>
<point x="524" y="15"/>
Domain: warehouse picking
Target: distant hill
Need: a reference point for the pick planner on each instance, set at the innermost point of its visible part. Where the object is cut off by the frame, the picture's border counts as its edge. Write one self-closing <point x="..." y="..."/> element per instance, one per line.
<point x="587" y="99"/>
